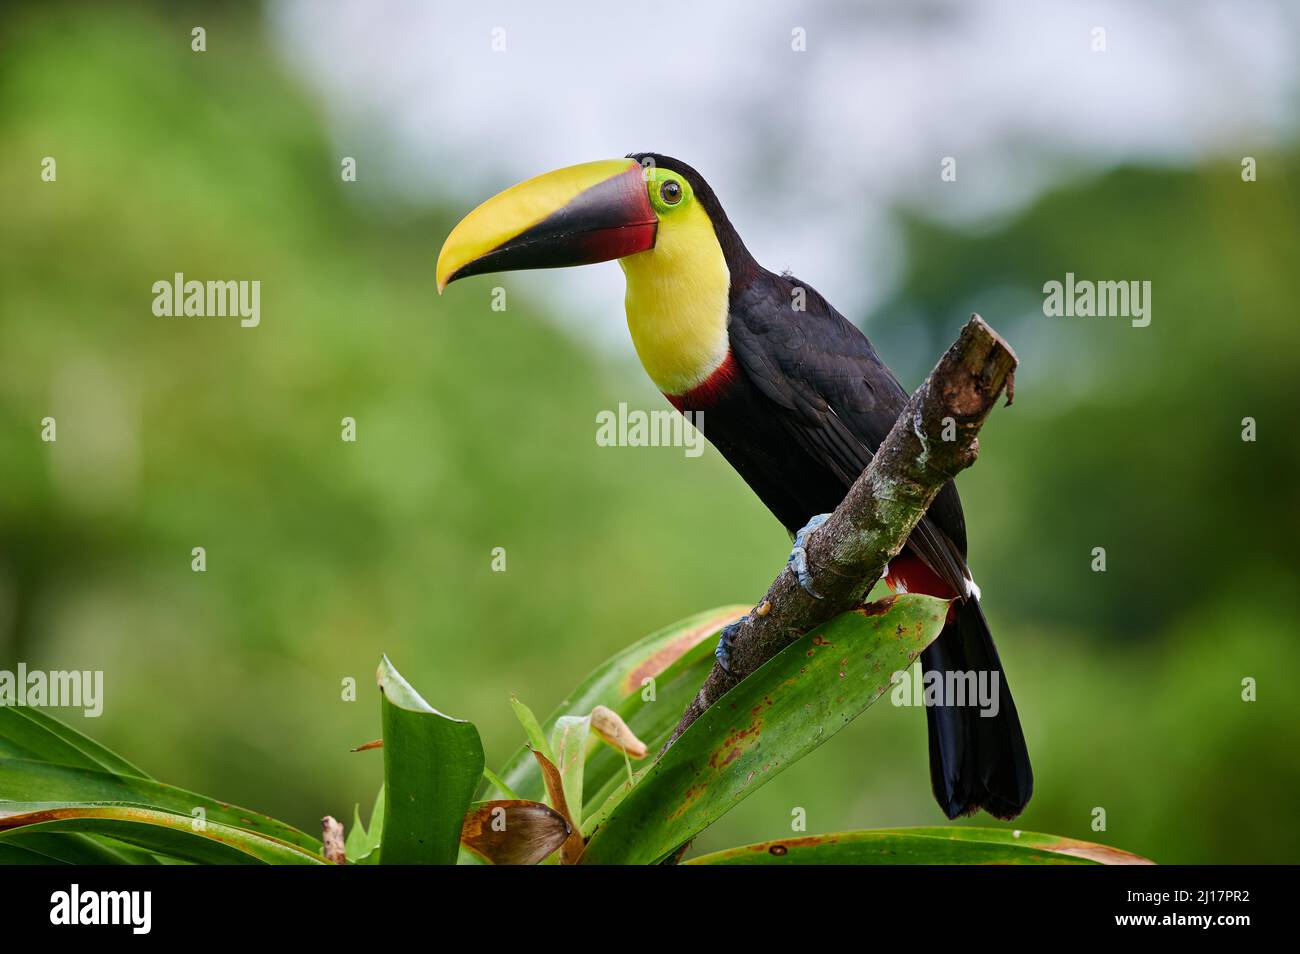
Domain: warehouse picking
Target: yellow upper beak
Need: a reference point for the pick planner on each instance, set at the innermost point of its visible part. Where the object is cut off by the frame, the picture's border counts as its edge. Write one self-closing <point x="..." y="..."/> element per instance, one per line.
<point x="587" y="213"/>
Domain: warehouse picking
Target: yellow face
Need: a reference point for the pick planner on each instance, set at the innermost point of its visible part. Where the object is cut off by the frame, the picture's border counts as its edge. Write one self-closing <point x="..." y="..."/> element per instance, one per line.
<point x="677" y="292"/>
<point x="646" y="217"/>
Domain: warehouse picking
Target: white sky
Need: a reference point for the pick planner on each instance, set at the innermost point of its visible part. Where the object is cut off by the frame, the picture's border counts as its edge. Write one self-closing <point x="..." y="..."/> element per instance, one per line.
<point x="806" y="150"/>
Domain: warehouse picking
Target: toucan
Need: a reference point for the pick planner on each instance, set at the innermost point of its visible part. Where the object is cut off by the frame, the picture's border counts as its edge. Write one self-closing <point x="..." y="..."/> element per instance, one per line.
<point x="790" y="392"/>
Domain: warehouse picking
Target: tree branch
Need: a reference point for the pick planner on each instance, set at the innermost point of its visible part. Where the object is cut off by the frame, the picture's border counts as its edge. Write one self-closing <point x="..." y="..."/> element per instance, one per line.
<point x="850" y="552"/>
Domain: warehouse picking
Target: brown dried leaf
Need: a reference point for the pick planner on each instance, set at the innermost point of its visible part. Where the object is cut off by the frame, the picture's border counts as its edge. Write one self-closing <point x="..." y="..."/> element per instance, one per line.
<point x="573" y="846"/>
<point x="513" y="831"/>
<point x="611" y="729"/>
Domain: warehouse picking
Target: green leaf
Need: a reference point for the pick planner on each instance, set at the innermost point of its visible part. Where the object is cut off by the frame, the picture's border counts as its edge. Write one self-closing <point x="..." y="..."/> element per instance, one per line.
<point x="618" y="680"/>
<point x="27" y="781"/>
<point x="923" y="846"/>
<point x="1091" y="851"/>
<point x="791" y="705"/>
<point x="12" y="854"/>
<point x="494" y="781"/>
<point x="651" y="721"/>
<point x="432" y="764"/>
<point x="569" y="742"/>
<point x="165" y="833"/>
<point x="354" y="845"/>
<point x="532" y="728"/>
<point x="74" y="849"/>
<point x="28" y="733"/>
<point x="363" y="842"/>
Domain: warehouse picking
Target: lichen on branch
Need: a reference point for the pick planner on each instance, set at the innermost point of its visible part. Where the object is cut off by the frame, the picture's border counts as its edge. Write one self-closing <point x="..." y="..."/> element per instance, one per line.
<point x="850" y="552"/>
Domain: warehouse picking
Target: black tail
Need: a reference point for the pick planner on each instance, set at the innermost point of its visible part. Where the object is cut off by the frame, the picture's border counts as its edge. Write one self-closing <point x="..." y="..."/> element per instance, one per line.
<point x="975" y="761"/>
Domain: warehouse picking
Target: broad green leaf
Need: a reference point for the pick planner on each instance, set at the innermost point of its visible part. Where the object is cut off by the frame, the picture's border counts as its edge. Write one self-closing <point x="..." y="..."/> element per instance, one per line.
<point x="28" y="733"/>
<point x="651" y="721"/>
<point x="1101" y="854"/>
<point x="432" y="764"/>
<point x="27" y="781"/>
<point x="74" y="849"/>
<point x="363" y="842"/>
<point x="132" y="854"/>
<point x="569" y="743"/>
<point x="618" y="680"/>
<point x="12" y="854"/>
<point x="610" y="797"/>
<point x="923" y="846"/>
<point x="165" y="833"/>
<point x="791" y="705"/>
<point x="513" y="831"/>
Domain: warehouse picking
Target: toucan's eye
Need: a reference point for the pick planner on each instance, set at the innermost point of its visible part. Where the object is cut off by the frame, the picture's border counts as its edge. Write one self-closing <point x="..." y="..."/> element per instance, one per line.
<point x="671" y="191"/>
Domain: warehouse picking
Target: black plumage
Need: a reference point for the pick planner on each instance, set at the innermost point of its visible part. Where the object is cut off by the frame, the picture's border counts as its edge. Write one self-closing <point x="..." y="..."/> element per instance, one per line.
<point x="799" y="415"/>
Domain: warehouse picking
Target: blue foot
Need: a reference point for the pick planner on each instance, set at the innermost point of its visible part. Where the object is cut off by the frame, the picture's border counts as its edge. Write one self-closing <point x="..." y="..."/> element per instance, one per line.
<point x="799" y="556"/>
<point x="723" y="653"/>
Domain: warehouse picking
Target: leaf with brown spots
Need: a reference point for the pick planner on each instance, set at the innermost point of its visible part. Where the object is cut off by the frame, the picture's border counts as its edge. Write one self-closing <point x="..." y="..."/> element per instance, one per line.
<point x="676" y="658"/>
<point x="159" y="832"/>
<point x="791" y="705"/>
<point x="923" y="846"/>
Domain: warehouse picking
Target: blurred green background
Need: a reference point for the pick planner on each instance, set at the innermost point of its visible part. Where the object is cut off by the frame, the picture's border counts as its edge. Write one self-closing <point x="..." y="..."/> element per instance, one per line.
<point x="475" y="430"/>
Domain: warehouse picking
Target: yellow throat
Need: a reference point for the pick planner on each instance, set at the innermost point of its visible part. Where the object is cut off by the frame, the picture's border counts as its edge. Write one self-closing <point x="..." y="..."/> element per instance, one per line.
<point x="677" y="296"/>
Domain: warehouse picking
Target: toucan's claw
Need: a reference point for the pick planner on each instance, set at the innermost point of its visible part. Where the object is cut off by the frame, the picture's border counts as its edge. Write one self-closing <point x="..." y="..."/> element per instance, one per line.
<point x="728" y="636"/>
<point x="799" y="555"/>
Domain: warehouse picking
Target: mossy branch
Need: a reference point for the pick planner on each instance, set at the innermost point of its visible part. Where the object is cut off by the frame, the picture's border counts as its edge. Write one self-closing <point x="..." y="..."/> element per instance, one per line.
<point x="849" y="553"/>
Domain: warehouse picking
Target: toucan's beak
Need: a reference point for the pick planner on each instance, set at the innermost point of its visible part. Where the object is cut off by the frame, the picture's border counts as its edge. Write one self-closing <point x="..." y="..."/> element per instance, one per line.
<point x="575" y="216"/>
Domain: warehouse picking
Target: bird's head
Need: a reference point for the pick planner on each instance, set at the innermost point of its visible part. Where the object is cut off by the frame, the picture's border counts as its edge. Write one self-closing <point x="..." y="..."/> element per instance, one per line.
<point x="579" y="215"/>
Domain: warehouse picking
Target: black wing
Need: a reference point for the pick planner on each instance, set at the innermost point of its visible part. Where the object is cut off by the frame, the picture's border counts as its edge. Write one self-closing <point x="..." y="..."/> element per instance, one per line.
<point x="836" y="398"/>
